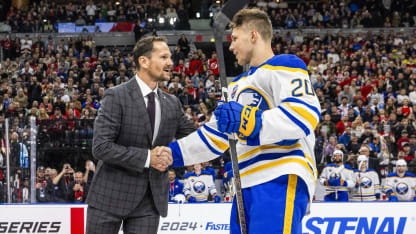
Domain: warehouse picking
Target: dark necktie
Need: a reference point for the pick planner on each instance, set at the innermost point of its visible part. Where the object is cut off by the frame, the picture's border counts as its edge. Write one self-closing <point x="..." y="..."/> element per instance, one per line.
<point x="151" y="109"/>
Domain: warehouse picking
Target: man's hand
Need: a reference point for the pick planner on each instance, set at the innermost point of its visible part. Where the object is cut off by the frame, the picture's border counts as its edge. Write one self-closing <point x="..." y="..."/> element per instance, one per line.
<point x="161" y="158"/>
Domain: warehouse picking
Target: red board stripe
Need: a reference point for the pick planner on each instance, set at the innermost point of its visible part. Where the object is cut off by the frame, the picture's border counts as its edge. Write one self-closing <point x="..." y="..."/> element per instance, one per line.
<point x="77" y="220"/>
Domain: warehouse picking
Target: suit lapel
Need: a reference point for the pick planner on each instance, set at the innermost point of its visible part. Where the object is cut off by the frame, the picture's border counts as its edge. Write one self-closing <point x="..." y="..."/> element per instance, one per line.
<point x="163" y="112"/>
<point x="137" y="97"/>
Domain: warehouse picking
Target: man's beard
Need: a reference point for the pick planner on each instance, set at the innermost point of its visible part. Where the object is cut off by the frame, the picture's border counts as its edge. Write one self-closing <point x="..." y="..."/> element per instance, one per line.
<point x="337" y="161"/>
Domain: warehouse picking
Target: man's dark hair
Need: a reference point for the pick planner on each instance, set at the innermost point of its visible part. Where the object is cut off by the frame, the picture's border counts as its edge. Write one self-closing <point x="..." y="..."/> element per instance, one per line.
<point x="144" y="47"/>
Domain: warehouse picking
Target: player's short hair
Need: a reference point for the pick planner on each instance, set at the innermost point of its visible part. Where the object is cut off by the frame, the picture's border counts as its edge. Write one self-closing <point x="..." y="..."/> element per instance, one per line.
<point x="255" y="18"/>
<point x="144" y="47"/>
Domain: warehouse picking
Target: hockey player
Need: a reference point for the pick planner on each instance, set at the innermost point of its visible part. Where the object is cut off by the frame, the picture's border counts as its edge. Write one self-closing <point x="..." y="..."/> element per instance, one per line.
<point x="337" y="178"/>
<point x="273" y="112"/>
<point x="367" y="185"/>
<point x="400" y="185"/>
<point x="198" y="185"/>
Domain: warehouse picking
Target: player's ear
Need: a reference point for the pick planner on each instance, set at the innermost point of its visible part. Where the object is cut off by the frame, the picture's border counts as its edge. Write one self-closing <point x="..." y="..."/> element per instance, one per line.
<point x="253" y="36"/>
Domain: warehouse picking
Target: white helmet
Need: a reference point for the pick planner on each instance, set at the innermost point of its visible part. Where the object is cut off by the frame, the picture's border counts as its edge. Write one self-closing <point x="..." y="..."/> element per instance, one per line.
<point x="360" y="160"/>
<point x="179" y="198"/>
<point x="401" y="162"/>
<point x="337" y="152"/>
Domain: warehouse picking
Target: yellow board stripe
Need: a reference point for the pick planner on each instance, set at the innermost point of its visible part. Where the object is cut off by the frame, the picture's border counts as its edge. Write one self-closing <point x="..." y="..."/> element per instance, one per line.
<point x="290" y="203"/>
<point x="291" y="69"/>
<point x="304" y="113"/>
<point x="218" y="143"/>
<point x="277" y="163"/>
<point x="265" y="147"/>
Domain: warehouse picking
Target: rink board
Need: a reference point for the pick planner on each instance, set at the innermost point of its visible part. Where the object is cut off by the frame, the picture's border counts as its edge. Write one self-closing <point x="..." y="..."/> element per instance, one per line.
<point x="377" y="217"/>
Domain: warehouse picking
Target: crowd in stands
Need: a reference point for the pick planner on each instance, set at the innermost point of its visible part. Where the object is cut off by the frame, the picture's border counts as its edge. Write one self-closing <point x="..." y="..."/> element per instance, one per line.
<point x="41" y="16"/>
<point x="366" y="85"/>
<point x="340" y="14"/>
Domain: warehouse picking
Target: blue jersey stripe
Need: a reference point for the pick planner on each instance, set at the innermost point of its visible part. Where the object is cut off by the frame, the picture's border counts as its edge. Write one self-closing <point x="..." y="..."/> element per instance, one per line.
<point x="219" y="134"/>
<point x="204" y="139"/>
<point x="269" y="156"/>
<point x="296" y="121"/>
<point x="296" y="100"/>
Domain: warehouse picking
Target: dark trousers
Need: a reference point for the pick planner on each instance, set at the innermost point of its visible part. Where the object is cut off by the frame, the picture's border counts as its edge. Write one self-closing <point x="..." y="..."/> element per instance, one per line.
<point x="144" y="219"/>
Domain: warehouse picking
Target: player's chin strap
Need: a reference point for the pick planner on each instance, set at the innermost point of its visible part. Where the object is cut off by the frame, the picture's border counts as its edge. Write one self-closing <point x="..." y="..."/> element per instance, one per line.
<point x="221" y="21"/>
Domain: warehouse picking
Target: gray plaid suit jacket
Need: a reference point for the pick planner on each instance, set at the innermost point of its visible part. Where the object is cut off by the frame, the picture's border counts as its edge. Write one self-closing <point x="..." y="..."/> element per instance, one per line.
<point x="122" y="138"/>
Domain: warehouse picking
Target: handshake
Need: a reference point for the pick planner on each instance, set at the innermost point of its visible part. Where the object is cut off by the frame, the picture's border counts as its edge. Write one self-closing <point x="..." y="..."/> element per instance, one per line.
<point x="161" y="158"/>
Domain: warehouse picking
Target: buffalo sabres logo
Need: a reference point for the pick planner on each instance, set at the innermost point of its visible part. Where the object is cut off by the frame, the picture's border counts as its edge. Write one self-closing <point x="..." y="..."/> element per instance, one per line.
<point x="335" y="176"/>
<point x="402" y="188"/>
<point x="366" y="182"/>
<point x="199" y="187"/>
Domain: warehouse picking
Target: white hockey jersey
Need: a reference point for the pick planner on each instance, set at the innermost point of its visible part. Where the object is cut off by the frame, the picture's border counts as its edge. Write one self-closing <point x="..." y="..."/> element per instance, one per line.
<point x="369" y="188"/>
<point x="402" y="187"/>
<point x="332" y="171"/>
<point x="285" y="145"/>
<point x="199" y="186"/>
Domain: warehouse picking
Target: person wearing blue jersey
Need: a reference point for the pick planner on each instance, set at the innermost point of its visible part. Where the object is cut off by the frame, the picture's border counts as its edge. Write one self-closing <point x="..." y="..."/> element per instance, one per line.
<point x="337" y="178"/>
<point x="175" y="187"/>
<point x="272" y="111"/>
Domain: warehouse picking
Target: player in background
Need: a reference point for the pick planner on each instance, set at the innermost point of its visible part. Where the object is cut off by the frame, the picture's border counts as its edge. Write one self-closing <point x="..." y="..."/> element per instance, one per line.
<point x="273" y="112"/>
<point x="337" y="178"/>
<point x="198" y="185"/>
<point x="400" y="185"/>
<point x="367" y="183"/>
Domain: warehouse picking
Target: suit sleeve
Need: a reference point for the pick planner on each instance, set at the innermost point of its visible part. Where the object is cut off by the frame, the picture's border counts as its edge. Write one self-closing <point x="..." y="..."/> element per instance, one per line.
<point x="106" y="130"/>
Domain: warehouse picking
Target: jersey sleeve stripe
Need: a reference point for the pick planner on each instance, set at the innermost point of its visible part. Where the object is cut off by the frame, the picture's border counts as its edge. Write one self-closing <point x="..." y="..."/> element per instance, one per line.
<point x="216" y="133"/>
<point x="305" y="114"/>
<point x="296" y="100"/>
<point x="296" y="121"/>
<point x="204" y="139"/>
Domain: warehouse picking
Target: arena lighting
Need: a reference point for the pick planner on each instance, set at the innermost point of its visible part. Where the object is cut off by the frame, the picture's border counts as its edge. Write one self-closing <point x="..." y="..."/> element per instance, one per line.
<point x="212" y="40"/>
<point x="218" y="2"/>
<point x="277" y="1"/>
<point x="150" y="20"/>
<point x="211" y="14"/>
<point x="172" y="21"/>
<point x="161" y="20"/>
<point x="117" y="3"/>
<point x="198" y="15"/>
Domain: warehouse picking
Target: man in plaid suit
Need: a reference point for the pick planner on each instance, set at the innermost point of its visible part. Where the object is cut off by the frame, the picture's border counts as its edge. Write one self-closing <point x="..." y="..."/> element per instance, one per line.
<point x="131" y="182"/>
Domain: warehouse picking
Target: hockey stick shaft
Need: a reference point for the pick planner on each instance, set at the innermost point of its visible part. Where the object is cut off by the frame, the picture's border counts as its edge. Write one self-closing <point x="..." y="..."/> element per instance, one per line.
<point x="221" y="21"/>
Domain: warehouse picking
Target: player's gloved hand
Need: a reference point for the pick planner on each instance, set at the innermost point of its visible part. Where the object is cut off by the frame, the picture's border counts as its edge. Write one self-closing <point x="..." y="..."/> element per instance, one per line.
<point x="232" y="117"/>
<point x="393" y="198"/>
<point x="337" y="182"/>
<point x="191" y="199"/>
<point x="217" y="198"/>
<point x="414" y="199"/>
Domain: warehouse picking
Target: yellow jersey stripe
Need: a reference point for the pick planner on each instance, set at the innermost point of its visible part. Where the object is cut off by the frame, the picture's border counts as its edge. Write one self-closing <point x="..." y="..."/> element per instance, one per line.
<point x="234" y="82"/>
<point x="277" y="163"/>
<point x="311" y="162"/>
<point x="265" y="147"/>
<point x="221" y="145"/>
<point x="290" y="203"/>
<point x="305" y="114"/>
<point x="291" y="69"/>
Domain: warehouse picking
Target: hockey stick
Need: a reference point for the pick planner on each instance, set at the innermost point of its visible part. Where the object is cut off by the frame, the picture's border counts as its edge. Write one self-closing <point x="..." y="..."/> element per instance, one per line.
<point x="221" y="21"/>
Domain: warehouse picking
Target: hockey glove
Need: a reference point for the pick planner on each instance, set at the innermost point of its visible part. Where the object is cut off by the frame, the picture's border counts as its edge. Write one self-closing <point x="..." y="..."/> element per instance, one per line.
<point x="393" y="198"/>
<point x="414" y="199"/>
<point x="232" y="117"/>
<point x="337" y="182"/>
<point x="217" y="198"/>
<point x="191" y="199"/>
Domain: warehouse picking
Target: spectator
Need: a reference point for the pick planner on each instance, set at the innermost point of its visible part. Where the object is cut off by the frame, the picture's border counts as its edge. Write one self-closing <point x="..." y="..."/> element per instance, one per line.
<point x="175" y="187"/>
<point x="63" y="181"/>
<point x="78" y="189"/>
